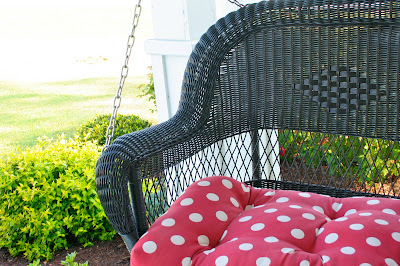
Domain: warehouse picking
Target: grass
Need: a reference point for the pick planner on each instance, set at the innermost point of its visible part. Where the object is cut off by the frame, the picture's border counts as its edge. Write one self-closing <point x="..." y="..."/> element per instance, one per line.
<point x="30" y="111"/>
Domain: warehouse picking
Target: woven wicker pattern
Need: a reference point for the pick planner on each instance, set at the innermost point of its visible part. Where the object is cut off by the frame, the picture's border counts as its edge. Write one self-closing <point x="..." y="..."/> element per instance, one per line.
<point x="257" y="83"/>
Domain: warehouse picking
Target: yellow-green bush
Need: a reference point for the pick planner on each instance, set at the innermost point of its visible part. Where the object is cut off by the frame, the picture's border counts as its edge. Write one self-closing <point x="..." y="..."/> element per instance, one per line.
<point x="48" y="198"/>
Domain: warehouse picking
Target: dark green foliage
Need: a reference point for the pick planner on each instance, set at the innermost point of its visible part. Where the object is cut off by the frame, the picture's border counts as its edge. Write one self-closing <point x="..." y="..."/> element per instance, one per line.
<point x="95" y="130"/>
<point x="49" y="200"/>
<point x="370" y="160"/>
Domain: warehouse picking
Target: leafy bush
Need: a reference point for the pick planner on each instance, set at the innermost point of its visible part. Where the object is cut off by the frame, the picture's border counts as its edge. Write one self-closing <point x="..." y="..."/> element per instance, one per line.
<point x="373" y="160"/>
<point x="95" y="130"/>
<point x="49" y="200"/>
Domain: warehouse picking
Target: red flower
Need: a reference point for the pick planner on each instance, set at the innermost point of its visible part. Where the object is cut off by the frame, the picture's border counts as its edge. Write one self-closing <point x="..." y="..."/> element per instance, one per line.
<point x="282" y="151"/>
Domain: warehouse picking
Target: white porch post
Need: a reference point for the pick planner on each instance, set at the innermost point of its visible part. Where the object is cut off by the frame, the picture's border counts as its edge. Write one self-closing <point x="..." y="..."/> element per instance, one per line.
<point x="178" y="25"/>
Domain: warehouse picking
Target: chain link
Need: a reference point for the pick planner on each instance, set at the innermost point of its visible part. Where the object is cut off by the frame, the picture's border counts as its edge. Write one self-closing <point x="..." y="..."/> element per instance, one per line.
<point x="236" y="3"/>
<point x="124" y="74"/>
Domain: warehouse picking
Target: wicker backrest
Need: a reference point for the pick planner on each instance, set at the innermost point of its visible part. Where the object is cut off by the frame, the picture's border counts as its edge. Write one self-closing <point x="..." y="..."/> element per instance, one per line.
<point x="280" y="94"/>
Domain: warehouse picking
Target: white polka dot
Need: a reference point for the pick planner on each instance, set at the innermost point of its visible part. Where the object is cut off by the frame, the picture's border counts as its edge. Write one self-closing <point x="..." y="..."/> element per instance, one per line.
<point x="203" y="240"/>
<point x="356" y="226"/>
<point x="318" y="209"/>
<point x="221" y="261"/>
<point x="365" y="214"/>
<point x="233" y="239"/>
<point x="294" y="206"/>
<point x="269" y="193"/>
<point x="234" y="202"/>
<point x="149" y="247"/>
<point x="287" y="250"/>
<point x="325" y="259"/>
<point x="389" y="211"/>
<point x="245" y="188"/>
<point x="381" y="222"/>
<point x="341" y="219"/>
<point x="187" y="202"/>
<point x="308" y="216"/>
<point x="305" y="263"/>
<point x="352" y="211"/>
<point x="196" y="217"/>
<point x="245" y="219"/>
<point x="222" y="216"/>
<point x="373" y="202"/>
<point x="212" y="197"/>
<point x="331" y="238"/>
<point x="297" y="233"/>
<point x="263" y="261"/>
<point x="259" y="206"/>
<point x="348" y="250"/>
<point x="328" y="219"/>
<point x="204" y="183"/>
<point x="257" y="227"/>
<point x="337" y="206"/>
<point x="319" y="231"/>
<point x="246" y="247"/>
<point x="177" y="240"/>
<point x="270" y="210"/>
<point x="396" y="236"/>
<point x="282" y="199"/>
<point x="373" y="241"/>
<point x="271" y="239"/>
<point x="304" y="195"/>
<point x="390" y="262"/>
<point x="365" y="264"/>
<point x="227" y="183"/>
<point x="208" y="251"/>
<point x="168" y="222"/>
<point x="187" y="261"/>
<point x="223" y="235"/>
<point x="283" y="218"/>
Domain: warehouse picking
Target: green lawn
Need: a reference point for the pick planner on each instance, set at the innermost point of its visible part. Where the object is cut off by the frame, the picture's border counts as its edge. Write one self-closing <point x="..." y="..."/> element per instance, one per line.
<point x="29" y="111"/>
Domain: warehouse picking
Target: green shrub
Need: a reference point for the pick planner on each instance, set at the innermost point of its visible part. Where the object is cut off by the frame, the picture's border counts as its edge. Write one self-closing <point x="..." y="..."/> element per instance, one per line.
<point x="49" y="200"/>
<point x="96" y="129"/>
<point x="372" y="160"/>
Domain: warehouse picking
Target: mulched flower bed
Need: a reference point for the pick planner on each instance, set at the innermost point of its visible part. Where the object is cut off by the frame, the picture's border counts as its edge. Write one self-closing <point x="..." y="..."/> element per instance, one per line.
<point x="101" y="253"/>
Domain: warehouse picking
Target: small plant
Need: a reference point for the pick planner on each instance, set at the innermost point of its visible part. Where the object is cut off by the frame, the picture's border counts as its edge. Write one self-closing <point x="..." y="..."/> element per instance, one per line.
<point x="35" y="263"/>
<point x="69" y="261"/>
<point x="95" y="130"/>
<point x="148" y="88"/>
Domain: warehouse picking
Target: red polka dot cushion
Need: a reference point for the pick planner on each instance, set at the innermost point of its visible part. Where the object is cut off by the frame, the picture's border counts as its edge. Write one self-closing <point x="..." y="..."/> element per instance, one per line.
<point x="220" y="221"/>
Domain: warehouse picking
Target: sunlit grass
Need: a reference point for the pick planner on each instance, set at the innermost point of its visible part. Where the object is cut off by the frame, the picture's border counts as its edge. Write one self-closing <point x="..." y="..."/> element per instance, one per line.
<point x="30" y="111"/>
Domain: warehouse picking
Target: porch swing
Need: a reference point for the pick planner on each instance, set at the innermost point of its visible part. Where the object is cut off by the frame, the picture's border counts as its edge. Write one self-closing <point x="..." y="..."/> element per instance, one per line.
<point x="284" y="149"/>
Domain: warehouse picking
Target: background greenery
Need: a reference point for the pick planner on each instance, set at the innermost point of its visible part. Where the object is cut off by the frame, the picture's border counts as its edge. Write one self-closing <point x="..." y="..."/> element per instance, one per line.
<point x="49" y="198"/>
<point x="30" y="111"/>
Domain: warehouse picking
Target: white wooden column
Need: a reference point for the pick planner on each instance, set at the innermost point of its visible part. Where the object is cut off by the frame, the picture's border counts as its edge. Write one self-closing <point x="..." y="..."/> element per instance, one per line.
<point x="178" y="25"/>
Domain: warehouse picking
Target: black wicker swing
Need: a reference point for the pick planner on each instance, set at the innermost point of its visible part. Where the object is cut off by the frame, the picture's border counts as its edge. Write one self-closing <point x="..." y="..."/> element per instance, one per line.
<point x="287" y="95"/>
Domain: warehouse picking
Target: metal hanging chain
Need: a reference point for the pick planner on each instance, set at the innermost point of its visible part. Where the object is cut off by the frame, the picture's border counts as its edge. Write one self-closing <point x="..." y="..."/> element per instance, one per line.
<point x="236" y="3"/>
<point x="124" y="74"/>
